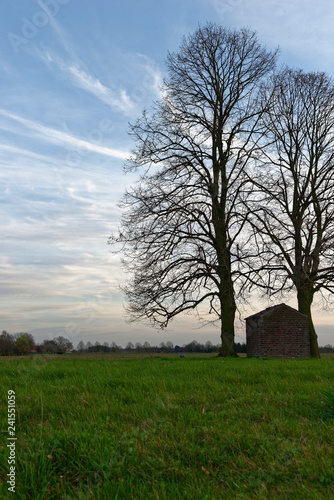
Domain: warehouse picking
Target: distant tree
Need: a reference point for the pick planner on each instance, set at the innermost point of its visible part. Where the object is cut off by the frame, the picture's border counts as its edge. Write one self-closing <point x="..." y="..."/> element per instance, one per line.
<point x="208" y="346"/>
<point x="169" y="346"/>
<point x="114" y="347"/>
<point x="193" y="346"/>
<point x="106" y="344"/>
<point x="138" y="346"/>
<point x="129" y="346"/>
<point x="28" y="336"/>
<point x="50" y="346"/>
<point x="183" y="221"/>
<point x="22" y="345"/>
<point x="81" y="347"/>
<point x="99" y="347"/>
<point x="89" y="345"/>
<point x="6" y="344"/>
<point x="30" y="339"/>
<point x="241" y="348"/>
<point x="64" y="345"/>
<point x="162" y="346"/>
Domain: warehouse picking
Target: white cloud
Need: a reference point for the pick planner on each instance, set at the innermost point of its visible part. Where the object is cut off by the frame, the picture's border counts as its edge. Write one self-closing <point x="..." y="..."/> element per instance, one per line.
<point x="117" y="99"/>
<point x="153" y="79"/>
<point x="64" y="139"/>
<point x="59" y="31"/>
<point x="16" y="150"/>
<point x="91" y="84"/>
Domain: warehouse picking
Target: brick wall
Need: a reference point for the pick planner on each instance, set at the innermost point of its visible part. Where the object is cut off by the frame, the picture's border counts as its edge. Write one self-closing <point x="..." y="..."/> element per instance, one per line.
<point x="253" y="339"/>
<point x="280" y="332"/>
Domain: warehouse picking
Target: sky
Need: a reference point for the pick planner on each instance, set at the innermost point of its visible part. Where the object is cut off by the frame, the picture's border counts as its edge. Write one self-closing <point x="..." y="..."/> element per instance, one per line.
<point x="73" y="75"/>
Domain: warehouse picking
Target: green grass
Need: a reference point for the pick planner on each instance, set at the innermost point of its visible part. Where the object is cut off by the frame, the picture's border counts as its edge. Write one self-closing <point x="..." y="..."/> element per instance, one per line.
<point x="169" y="428"/>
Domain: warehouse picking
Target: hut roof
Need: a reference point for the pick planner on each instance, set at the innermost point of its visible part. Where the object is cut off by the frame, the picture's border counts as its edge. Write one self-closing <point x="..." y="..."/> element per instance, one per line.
<point x="271" y="309"/>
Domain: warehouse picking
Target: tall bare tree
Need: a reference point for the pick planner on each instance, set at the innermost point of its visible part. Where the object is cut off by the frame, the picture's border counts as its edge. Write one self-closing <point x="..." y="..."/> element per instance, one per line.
<point x="183" y="221"/>
<point x="293" y="213"/>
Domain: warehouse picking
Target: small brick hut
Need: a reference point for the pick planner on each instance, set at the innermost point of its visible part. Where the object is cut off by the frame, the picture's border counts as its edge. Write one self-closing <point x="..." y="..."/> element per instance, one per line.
<point x="278" y="332"/>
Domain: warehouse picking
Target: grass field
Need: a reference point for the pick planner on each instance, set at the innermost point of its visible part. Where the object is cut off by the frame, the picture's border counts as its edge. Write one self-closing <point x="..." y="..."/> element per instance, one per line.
<point x="168" y="428"/>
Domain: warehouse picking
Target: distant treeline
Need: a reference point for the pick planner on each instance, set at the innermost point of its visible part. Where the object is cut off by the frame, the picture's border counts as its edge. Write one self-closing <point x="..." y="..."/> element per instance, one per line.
<point x="167" y="347"/>
<point x="15" y="344"/>
<point x="24" y="343"/>
<point x="326" y="348"/>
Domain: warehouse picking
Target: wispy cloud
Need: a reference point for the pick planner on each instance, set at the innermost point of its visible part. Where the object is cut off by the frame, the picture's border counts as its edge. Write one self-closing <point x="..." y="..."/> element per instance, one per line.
<point x="117" y="99"/>
<point x="153" y="79"/>
<point x="91" y="84"/>
<point x="63" y="138"/>
<point x="27" y="153"/>
<point x="62" y="36"/>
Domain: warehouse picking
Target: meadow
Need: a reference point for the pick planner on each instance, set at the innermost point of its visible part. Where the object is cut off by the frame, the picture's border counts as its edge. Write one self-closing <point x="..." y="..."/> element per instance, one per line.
<point x="163" y="427"/>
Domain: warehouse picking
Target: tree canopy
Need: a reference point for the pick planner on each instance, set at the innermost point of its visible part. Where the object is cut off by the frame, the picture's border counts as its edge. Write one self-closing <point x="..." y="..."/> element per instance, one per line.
<point x="183" y="222"/>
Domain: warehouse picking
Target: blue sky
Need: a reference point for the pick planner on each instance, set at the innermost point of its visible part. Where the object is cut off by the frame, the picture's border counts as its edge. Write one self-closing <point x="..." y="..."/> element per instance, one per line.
<point x="73" y="74"/>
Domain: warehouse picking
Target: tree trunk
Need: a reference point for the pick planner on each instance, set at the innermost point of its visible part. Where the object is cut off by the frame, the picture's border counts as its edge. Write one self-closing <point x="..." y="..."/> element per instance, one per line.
<point x="305" y="298"/>
<point x="228" y="309"/>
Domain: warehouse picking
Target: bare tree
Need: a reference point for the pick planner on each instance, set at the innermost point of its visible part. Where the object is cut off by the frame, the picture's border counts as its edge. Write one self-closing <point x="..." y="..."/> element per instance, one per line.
<point x="293" y="210"/>
<point x="114" y="347"/>
<point x="138" y="347"/>
<point x="50" y="346"/>
<point x="63" y="345"/>
<point x="81" y="347"/>
<point x="208" y="346"/>
<point x="59" y="345"/>
<point x="169" y="345"/>
<point x="6" y="344"/>
<point x="184" y="219"/>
